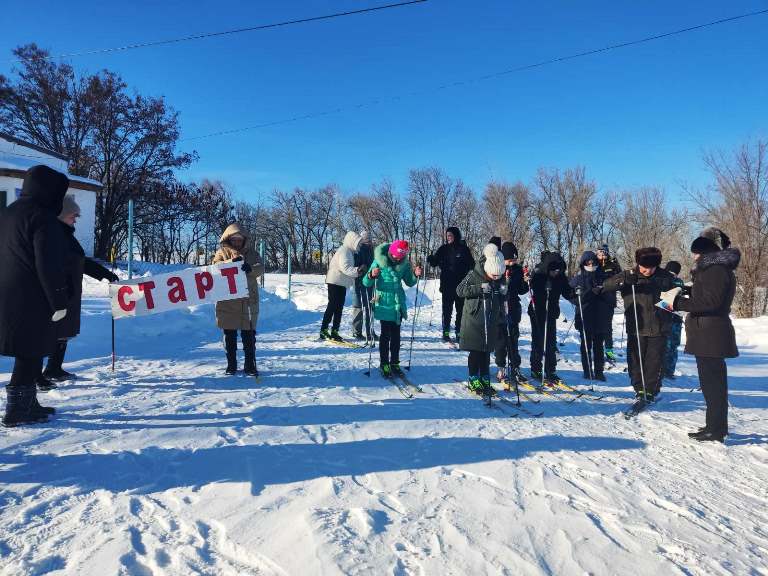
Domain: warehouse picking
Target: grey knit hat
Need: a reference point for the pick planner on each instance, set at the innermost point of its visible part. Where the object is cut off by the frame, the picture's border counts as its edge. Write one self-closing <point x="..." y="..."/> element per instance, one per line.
<point x="70" y="206"/>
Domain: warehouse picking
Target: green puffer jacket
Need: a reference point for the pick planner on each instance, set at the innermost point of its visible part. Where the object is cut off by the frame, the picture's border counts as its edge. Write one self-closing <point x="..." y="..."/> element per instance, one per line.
<point x="389" y="301"/>
<point x="473" y="327"/>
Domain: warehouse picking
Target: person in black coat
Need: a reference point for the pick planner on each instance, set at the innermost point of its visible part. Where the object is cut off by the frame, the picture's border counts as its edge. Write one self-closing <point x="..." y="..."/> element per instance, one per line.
<point x="650" y="328"/>
<point x="33" y="288"/>
<point x="507" y="348"/>
<point x="597" y="307"/>
<point x="709" y="333"/>
<point x="454" y="260"/>
<point x="363" y="294"/>
<point x="609" y="266"/>
<point x="75" y="264"/>
<point x="547" y="284"/>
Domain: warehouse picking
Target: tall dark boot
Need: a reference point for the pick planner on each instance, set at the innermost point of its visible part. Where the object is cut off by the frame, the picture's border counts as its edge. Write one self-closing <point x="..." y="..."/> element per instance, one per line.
<point x="19" y="407"/>
<point x="230" y="346"/>
<point x="249" y="348"/>
<point x="54" y="370"/>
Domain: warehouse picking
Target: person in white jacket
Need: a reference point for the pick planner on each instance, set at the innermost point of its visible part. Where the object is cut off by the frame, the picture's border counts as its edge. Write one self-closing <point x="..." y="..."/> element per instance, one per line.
<point x="341" y="275"/>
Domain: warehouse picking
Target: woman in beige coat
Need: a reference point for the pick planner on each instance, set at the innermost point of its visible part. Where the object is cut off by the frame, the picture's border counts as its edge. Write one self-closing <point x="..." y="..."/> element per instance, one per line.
<point x="242" y="313"/>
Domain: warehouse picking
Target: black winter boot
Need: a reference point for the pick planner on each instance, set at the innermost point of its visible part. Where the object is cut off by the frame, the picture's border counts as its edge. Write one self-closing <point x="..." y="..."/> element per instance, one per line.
<point x="54" y="370"/>
<point x="44" y="384"/>
<point x="249" y="347"/>
<point x="42" y="410"/>
<point x="18" y="408"/>
<point x="230" y="346"/>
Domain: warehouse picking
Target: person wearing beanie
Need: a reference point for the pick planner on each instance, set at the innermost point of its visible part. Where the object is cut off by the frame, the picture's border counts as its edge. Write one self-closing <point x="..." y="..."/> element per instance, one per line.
<point x="341" y="275"/>
<point x="33" y="288"/>
<point x="649" y="280"/>
<point x="483" y="290"/>
<point x="548" y="284"/>
<point x="388" y="271"/>
<point x="676" y="329"/>
<point x="75" y="264"/>
<point x="361" y="304"/>
<point x="597" y="308"/>
<point x="496" y="240"/>
<point x="709" y="332"/>
<point x="609" y="266"/>
<point x="454" y="260"/>
<point x="507" y="354"/>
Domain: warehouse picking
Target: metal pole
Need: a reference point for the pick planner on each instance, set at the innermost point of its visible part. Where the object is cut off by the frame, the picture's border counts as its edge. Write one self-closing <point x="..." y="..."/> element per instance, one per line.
<point x="290" y="256"/>
<point x="546" y="322"/>
<point x="639" y="351"/>
<point x="585" y="343"/>
<point x="370" y="315"/>
<point x="261" y="255"/>
<point x="130" y="238"/>
<point x="413" y="324"/>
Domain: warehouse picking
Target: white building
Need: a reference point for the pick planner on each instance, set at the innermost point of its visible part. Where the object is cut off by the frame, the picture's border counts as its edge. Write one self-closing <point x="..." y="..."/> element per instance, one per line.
<point x="17" y="156"/>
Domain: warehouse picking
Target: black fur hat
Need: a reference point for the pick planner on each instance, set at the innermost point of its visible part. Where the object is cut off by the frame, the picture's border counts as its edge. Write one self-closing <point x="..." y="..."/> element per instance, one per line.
<point x="710" y="240"/>
<point x="648" y="257"/>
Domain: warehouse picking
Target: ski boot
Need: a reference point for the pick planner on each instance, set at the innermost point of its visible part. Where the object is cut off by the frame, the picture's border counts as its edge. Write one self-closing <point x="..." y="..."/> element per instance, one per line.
<point x="501" y="375"/>
<point x="358" y="336"/>
<point x="488" y="390"/>
<point x="536" y="375"/>
<point x="335" y="337"/>
<point x="610" y="355"/>
<point x="475" y="384"/>
<point x="446" y="335"/>
<point x="396" y="370"/>
<point x="520" y="377"/>
<point x="386" y="370"/>
<point x="325" y="334"/>
<point x="552" y="380"/>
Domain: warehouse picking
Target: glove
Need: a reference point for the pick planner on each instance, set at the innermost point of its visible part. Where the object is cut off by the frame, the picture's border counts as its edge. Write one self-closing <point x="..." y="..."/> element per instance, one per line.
<point x="112" y="277"/>
<point x="670" y="295"/>
<point x="578" y="290"/>
<point x="59" y="315"/>
<point x="245" y="267"/>
<point x="485" y="288"/>
<point x="417" y="271"/>
<point x="237" y="259"/>
<point x="630" y="279"/>
<point x="361" y="269"/>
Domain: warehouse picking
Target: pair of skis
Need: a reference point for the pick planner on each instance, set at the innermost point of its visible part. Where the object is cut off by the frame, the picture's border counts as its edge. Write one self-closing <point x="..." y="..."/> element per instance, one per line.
<point x="495" y="395"/>
<point x="404" y="385"/>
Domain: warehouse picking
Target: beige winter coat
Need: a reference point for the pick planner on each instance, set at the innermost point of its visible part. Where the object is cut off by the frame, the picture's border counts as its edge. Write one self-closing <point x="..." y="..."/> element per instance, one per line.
<point x="342" y="270"/>
<point x="240" y="314"/>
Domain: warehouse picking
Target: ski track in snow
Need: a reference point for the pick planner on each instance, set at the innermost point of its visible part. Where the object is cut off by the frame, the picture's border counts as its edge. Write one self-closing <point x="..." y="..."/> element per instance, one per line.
<point x="167" y="467"/>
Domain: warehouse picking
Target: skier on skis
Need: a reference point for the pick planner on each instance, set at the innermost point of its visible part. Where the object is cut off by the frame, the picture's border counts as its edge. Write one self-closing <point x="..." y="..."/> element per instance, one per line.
<point x="673" y="342"/>
<point x="361" y="305"/>
<point x="484" y="290"/>
<point x="647" y="325"/>
<point x="390" y="268"/>
<point x="597" y="309"/>
<point x="341" y="275"/>
<point x="609" y="266"/>
<point x="708" y="329"/>
<point x="509" y="332"/>
<point x="242" y="313"/>
<point x="547" y="284"/>
<point x="454" y="260"/>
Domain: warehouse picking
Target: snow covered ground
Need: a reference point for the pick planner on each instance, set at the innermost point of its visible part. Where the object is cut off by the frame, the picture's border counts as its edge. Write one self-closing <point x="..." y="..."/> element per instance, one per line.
<point x="167" y="467"/>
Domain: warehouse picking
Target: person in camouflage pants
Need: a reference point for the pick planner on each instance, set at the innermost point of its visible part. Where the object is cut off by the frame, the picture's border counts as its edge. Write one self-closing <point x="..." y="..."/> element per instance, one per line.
<point x="673" y="342"/>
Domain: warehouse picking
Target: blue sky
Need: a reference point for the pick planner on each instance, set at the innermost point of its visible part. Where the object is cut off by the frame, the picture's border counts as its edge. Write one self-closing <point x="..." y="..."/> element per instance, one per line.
<point x="635" y="116"/>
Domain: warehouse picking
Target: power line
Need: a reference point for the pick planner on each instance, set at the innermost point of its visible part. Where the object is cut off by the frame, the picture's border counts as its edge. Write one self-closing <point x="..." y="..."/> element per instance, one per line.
<point x="476" y="79"/>
<point x="235" y="31"/>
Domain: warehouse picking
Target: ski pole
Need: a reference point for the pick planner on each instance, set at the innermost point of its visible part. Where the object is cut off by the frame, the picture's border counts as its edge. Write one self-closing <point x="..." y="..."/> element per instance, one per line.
<point x="546" y="321"/>
<point x="585" y="343"/>
<point x="509" y="351"/>
<point x="639" y="351"/>
<point x="413" y="324"/>
<point x="370" y="315"/>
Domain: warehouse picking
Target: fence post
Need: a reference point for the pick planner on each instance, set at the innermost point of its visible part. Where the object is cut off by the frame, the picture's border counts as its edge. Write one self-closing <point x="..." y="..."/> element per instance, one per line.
<point x="290" y="255"/>
<point x="261" y="255"/>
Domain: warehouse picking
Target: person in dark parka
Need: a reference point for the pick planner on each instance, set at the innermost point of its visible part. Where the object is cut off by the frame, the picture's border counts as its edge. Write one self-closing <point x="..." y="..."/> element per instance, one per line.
<point x="454" y="260"/>
<point x="75" y="264"/>
<point x="507" y="347"/>
<point x="709" y="333"/>
<point x="649" y="281"/>
<point x="598" y="315"/>
<point x="547" y="283"/>
<point x="483" y="290"/>
<point x="609" y="266"/>
<point x="33" y="288"/>
<point x="675" y="331"/>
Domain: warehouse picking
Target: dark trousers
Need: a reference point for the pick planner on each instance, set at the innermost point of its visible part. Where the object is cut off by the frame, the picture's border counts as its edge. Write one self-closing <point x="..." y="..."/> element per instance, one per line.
<point x="713" y="377"/>
<point x="652" y="350"/>
<point x="361" y="309"/>
<point x="389" y="342"/>
<point x="592" y="349"/>
<point x="336" y="297"/>
<point x="479" y="363"/>
<point x="56" y="360"/>
<point x="249" y="345"/>
<point x="451" y="301"/>
<point x="25" y="373"/>
<point x="673" y="343"/>
<point x="537" y="345"/>
<point x="507" y="342"/>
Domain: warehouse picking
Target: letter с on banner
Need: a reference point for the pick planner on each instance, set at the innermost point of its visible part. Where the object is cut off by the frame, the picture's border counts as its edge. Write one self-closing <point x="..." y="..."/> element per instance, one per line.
<point x="189" y="287"/>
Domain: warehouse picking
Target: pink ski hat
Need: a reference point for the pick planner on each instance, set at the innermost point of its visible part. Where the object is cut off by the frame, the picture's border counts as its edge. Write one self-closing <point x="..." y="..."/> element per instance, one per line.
<point x="398" y="249"/>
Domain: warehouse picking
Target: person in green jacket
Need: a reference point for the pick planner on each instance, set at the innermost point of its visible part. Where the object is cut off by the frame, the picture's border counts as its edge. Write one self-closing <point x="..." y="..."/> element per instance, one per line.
<point x="484" y="290"/>
<point x="390" y="268"/>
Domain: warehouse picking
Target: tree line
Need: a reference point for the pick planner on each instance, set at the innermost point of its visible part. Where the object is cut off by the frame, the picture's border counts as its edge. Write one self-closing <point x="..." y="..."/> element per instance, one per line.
<point x="130" y="143"/>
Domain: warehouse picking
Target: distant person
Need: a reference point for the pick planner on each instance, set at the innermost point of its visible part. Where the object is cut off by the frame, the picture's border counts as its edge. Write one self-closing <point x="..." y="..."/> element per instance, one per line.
<point x="242" y="313"/>
<point x="609" y="266"/>
<point x="389" y="270"/>
<point x="507" y="344"/>
<point x="33" y="288"/>
<point x="75" y="264"/>
<point x="454" y="260"/>
<point x="341" y="275"/>
<point x="709" y="332"/>
<point x="675" y="331"/>
<point x="362" y="303"/>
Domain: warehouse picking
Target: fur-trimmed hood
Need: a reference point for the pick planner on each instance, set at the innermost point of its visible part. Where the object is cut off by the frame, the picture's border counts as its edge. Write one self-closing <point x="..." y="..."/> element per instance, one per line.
<point x="730" y="258"/>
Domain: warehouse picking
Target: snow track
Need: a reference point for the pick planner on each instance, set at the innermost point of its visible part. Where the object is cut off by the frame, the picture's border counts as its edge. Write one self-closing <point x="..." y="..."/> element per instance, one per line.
<point x="167" y="467"/>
